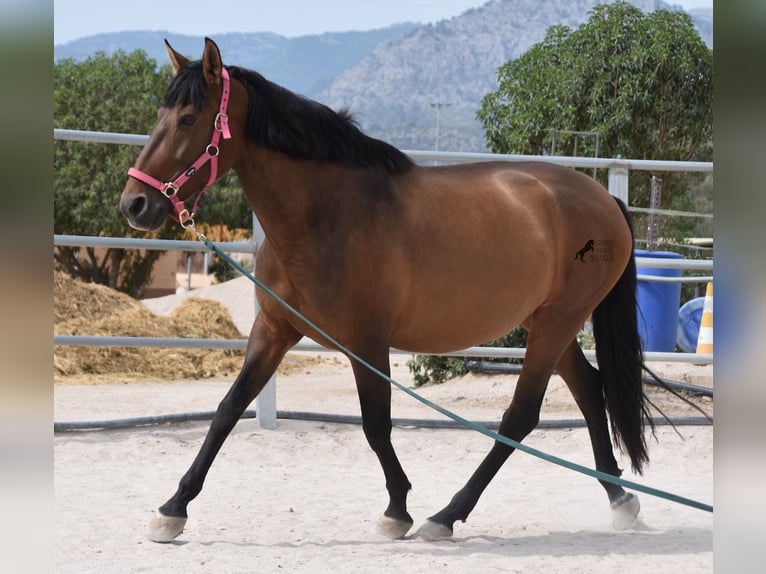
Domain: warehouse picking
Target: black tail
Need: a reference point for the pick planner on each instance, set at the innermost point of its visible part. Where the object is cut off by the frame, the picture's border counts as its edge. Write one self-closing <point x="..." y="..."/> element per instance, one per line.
<point x="618" y="351"/>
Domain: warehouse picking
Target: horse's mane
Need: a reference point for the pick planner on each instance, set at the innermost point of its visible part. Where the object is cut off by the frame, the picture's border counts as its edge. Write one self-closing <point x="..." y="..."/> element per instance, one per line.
<point x="291" y="124"/>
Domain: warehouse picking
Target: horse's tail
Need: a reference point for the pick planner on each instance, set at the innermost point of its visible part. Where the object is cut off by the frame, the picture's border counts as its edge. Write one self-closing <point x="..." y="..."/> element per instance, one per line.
<point x="620" y="360"/>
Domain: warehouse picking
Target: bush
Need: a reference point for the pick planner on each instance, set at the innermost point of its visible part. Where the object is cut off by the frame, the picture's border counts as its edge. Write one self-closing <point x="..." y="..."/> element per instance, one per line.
<point x="225" y="271"/>
<point x="435" y="368"/>
<point x="438" y="368"/>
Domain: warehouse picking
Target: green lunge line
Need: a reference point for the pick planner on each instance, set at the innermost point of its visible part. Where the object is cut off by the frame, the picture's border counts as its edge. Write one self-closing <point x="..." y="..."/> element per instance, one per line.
<point x="479" y="428"/>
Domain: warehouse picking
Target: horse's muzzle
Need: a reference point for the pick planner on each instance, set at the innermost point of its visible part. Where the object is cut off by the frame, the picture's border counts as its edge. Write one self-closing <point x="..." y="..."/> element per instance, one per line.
<point x="144" y="209"/>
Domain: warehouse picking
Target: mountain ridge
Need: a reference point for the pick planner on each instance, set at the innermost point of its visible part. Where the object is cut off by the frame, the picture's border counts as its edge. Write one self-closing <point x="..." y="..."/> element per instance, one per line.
<point x="304" y="64"/>
<point x="415" y="86"/>
<point x="456" y="65"/>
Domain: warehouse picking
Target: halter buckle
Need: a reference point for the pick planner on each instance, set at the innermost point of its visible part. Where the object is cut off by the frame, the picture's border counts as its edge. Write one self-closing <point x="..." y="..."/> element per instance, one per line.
<point x="221" y="121"/>
<point x="169" y="190"/>
<point x="212" y="150"/>
<point x="185" y="219"/>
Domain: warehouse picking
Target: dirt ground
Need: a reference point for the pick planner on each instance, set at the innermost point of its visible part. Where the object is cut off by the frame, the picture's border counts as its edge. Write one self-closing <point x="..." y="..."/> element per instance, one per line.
<point x="306" y="496"/>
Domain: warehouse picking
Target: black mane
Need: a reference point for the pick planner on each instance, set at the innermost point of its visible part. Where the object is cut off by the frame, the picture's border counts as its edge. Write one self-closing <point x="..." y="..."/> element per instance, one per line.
<point x="291" y="124"/>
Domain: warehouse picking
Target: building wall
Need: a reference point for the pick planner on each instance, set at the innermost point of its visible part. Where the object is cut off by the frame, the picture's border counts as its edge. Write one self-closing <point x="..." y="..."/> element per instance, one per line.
<point x="172" y="273"/>
<point x="163" y="276"/>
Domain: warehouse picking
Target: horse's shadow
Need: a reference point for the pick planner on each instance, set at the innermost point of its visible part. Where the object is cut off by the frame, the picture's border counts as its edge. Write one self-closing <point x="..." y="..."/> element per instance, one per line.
<point x="594" y="543"/>
<point x="554" y="544"/>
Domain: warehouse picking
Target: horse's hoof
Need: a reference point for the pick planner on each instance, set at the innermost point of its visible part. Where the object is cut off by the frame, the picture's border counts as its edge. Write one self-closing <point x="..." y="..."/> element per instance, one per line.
<point x="432" y="531"/>
<point x="392" y="528"/>
<point x="625" y="511"/>
<point x="165" y="528"/>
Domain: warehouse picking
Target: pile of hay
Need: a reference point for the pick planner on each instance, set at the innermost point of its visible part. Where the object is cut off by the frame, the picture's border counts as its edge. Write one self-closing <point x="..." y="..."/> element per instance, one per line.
<point x="88" y="309"/>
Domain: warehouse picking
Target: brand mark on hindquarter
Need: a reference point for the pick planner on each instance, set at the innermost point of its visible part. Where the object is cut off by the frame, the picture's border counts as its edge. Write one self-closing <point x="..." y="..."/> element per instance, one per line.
<point x="596" y="250"/>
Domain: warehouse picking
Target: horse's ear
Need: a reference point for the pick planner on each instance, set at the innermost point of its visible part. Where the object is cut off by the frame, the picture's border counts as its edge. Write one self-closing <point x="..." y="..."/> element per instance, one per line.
<point x="211" y="63"/>
<point x="176" y="59"/>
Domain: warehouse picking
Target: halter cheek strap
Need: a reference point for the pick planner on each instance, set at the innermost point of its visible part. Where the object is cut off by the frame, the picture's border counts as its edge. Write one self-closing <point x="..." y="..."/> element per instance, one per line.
<point x="170" y="188"/>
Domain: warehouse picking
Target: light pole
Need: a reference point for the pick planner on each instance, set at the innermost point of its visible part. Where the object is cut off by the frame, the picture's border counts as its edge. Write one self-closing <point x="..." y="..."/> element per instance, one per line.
<point x="438" y="106"/>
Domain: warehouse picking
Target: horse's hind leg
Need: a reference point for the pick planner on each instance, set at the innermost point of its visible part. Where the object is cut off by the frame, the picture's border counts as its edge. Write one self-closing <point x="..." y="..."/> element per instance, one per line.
<point x="584" y="381"/>
<point x="375" y="401"/>
<point x="548" y="336"/>
<point x="266" y="347"/>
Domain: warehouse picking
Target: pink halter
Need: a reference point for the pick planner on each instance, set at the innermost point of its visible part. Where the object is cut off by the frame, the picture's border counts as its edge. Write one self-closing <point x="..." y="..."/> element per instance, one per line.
<point x="170" y="189"/>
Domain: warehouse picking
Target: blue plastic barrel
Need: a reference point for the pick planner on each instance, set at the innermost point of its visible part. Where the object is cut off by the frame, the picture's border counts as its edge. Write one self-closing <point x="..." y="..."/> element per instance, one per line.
<point x="657" y="304"/>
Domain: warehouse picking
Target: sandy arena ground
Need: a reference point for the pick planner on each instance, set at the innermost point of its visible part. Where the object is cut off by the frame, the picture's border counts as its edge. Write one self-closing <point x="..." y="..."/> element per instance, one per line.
<point x="306" y="496"/>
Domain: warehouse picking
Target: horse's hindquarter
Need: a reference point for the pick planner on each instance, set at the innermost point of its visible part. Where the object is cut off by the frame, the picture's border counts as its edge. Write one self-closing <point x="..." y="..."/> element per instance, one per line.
<point x="490" y="243"/>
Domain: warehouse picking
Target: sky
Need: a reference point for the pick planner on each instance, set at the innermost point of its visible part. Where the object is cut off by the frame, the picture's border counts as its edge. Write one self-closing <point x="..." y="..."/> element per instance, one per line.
<point x="78" y="18"/>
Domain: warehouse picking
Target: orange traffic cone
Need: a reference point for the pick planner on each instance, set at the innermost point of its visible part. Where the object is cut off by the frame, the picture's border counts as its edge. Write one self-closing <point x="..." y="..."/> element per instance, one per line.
<point x="705" y="337"/>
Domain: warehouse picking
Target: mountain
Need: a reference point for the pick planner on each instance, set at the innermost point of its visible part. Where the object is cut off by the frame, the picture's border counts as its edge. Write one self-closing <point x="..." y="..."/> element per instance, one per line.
<point x="306" y="64"/>
<point x="703" y="20"/>
<point x="415" y="86"/>
<point x="446" y="68"/>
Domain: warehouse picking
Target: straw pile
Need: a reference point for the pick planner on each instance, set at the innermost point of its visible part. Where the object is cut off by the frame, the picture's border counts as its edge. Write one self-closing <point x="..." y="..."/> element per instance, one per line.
<point x="88" y="309"/>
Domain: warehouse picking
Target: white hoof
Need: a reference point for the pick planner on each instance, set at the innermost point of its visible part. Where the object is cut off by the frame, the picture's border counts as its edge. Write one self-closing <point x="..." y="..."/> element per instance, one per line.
<point x="625" y="511"/>
<point x="165" y="528"/>
<point x="392" y="528"/>
<point x="431" y="531"/>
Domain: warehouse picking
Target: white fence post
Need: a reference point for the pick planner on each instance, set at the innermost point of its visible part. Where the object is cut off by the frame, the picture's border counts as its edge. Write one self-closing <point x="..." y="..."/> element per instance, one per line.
<point x="266" y="405"/>
<point x="618" y="181"/>
<point x="266" y="401"/>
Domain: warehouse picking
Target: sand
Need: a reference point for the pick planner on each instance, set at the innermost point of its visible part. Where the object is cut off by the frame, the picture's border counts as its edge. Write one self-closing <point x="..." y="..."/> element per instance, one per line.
<point x="306" y="496"/>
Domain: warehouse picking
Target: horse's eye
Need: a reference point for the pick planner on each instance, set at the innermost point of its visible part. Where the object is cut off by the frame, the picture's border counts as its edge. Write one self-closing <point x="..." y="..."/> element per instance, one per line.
<point x="187" y="120"/>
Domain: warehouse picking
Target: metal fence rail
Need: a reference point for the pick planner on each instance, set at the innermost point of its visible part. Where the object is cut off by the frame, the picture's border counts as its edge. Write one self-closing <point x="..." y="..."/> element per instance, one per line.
<point x="266" y="402"/>
<point x="150" y="244"/>
<point x="251" y="247"/>
<point x="309" y="345"/>
<point x="442" y="156"/>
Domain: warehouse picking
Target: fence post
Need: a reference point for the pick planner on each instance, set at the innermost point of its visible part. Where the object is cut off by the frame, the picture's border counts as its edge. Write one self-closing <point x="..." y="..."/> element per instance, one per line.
<point x="618" y="181"/>
<point x="266" y="401"/>
<point x="266" y="405"/>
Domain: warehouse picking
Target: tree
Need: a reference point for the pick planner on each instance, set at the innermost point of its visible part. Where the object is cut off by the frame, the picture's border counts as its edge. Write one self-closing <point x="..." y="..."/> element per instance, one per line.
<point x="120" y="93"/>
<point x="643" y="82"/>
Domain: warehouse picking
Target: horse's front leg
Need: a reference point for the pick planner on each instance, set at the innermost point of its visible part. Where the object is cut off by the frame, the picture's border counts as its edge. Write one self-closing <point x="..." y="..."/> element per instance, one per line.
<point x="375" y="400"/>
<point x="267" y="346"/>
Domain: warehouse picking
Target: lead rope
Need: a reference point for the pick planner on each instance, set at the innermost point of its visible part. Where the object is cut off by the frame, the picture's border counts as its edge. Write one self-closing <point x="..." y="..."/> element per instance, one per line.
<point x="469" y="424"/>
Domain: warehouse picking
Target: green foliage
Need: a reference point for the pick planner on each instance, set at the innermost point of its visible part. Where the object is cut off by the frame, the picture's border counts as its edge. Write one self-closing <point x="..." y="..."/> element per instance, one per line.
<point x="119" y="93"/>
<point x="224" y="271"/>
<point x="437" y="368"/>
<point x="644" y="82"/>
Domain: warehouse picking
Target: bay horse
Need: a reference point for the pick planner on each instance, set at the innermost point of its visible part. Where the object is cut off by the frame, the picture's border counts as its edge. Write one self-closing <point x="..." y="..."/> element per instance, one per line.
<point x="380" y="252"/>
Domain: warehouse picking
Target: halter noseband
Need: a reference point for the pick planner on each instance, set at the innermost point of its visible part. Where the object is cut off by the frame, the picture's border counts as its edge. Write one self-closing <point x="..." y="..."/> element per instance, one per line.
<point x="170" y="189"/>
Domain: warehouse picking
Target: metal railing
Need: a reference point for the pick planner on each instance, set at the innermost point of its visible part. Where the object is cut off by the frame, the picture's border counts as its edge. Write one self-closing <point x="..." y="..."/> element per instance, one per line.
<point x="266" y="401"/>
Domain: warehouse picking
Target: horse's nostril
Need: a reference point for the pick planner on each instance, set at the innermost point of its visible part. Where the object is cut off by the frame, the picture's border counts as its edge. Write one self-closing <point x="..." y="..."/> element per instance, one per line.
<point x="137" y="206"/>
